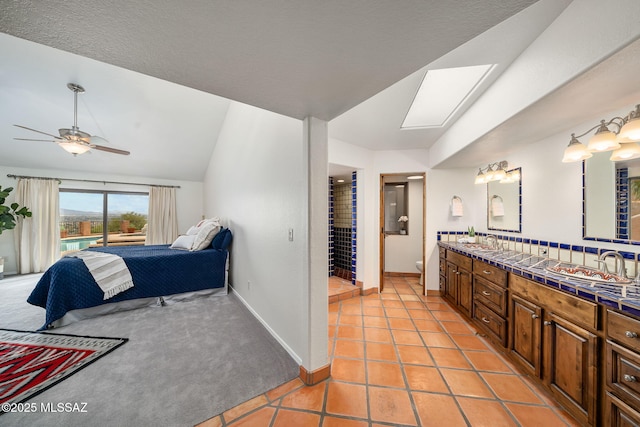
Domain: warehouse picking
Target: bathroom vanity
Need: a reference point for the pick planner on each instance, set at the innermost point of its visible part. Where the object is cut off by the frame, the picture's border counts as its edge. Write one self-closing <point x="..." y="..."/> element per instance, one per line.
<point x="572" y="335"/>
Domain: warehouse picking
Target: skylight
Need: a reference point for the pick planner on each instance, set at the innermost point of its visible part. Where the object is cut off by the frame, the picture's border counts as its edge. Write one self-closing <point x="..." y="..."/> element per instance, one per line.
<point x="442" y="93"/>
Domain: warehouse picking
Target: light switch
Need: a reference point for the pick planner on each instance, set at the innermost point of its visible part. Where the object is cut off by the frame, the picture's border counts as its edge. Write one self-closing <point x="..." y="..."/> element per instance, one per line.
<point x="291" y="234"/>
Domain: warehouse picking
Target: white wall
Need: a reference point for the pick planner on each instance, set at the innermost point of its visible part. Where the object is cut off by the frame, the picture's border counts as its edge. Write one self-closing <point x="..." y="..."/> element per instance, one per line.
<point x="256" y="182"/>
<point x="189" y="198"/>
<point x="402" y="251"/>
<point x="370" y="165"/>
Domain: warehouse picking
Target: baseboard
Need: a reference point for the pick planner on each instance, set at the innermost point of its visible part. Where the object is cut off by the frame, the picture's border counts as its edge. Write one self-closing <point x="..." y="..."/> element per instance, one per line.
<point x="289" y="350"/>
<point x="314" y="377"/>
<point x="400" y="274"/>
<point x="368" y="291"/>
<point x="433" y="293"/>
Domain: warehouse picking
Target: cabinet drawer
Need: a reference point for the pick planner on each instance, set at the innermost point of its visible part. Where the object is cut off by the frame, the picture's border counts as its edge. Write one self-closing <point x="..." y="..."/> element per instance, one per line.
<point x="491" y="273"/>
<point x="623" y="329"/>
<point x="442" y="251"/>
<point x="619" y="414"/>
<point x="494" y="297"/>
<point x="581" y="312"/>
<point x="623" y="373"/>
<point x="494" y="325"/>
<point x="461" y="261"/>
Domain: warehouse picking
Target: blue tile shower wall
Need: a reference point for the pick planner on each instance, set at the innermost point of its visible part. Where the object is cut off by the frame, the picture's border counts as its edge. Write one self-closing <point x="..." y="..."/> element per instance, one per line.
<point x="354" y="223"/>
<point x="623" y="215"/>
<point x="342" y="230"/>
<point x="331" y="225"/>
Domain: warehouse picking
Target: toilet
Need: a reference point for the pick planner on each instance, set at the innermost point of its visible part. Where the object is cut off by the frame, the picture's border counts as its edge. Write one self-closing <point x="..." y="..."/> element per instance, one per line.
<point x="421" y="270"/>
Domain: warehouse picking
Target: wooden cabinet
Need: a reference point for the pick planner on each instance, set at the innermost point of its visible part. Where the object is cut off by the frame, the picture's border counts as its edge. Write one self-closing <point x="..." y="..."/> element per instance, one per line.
<point x="490" y="301"/>
<point x="623" y="368"/>
<point x="526" y="335"/>
<point x="555" y="347"/>
<point x="458" y="285"/>
<point x="570" y="365"/>
<point x="619" y="414"/>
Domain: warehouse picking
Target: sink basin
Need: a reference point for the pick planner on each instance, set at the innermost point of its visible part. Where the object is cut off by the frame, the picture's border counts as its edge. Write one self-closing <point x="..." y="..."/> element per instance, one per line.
<point x="589" y="274"/>
<point x="478" y="246"/>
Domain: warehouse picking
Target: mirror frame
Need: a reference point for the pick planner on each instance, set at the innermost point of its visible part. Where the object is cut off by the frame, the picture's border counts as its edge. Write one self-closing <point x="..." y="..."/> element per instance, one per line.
<point x="519" y="229"/>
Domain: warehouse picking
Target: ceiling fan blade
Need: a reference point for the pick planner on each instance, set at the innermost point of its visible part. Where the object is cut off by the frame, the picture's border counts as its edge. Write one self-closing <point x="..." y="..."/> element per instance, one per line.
<point x="40" y="140"/>
<point x="95" y="139"/>
<point x="110" y="150"/>
<point x="38" y="131"/>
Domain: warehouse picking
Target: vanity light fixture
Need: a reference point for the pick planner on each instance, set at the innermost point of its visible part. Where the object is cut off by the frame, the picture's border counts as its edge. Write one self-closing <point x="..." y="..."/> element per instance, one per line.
<point x="623" y="143"/>
<point x="495" y="172"/>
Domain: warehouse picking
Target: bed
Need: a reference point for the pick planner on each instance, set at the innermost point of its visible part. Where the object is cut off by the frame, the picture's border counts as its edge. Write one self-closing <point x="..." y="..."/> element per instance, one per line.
<point x="68" y="292"/>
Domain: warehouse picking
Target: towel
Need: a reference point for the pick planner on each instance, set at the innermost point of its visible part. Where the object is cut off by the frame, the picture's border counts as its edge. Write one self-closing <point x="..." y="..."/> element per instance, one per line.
<point x="109" y="271"/>
<point x="456" y="206"/>
<point x="497" y="207"/>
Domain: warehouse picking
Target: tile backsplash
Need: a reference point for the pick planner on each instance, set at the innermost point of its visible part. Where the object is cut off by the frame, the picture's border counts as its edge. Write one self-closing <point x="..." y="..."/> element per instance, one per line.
<point x="574" y="254"/>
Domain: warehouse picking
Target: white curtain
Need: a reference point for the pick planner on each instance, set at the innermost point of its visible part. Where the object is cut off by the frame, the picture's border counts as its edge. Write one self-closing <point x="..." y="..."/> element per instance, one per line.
<point x="162" y="224"/>
<point x="37" y="239"/>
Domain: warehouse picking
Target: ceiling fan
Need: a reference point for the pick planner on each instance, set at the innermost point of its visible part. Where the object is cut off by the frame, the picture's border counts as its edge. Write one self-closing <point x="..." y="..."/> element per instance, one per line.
<point x="74" y="140"/>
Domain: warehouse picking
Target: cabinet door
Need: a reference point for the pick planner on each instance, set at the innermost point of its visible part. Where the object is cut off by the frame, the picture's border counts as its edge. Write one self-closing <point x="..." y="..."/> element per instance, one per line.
<point x="525" y="340"/>
<point x="570" y="366"/>
<point x="451" y="287"/>
<point x="465" y="292"/>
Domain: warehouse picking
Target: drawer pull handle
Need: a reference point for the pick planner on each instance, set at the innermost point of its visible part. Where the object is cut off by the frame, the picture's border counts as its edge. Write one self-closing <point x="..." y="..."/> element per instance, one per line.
<point x="547" y="323"/>
<point x="630" y="378"/>
<point x="485" y="293"/>
<point x="486" y="271"/>
<point x="630" y="334"/>
<point x="458" y="273"/>
<point x="485" y="320"/>
<point x="535" y="316"/>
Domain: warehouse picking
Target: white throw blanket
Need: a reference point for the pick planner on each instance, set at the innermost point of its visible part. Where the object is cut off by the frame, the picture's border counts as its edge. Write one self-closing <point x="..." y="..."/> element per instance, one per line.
<point x="108" y="270"/>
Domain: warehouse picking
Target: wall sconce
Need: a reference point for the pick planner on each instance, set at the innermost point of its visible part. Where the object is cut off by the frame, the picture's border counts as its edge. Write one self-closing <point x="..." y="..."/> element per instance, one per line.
<point x="497" y="172"/>
<point x="623" y="143"/>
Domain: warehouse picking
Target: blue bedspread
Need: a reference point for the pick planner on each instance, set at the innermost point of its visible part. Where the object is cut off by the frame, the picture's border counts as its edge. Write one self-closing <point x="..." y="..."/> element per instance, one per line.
<point x="156" y="271"/>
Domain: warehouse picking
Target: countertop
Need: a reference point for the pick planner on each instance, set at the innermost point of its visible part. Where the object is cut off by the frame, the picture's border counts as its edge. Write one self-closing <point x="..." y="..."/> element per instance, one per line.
<point x="624" y="297"/>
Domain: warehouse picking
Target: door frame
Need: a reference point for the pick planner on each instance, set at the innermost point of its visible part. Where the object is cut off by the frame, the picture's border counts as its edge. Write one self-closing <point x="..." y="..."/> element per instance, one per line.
<point x="382" y="235"/>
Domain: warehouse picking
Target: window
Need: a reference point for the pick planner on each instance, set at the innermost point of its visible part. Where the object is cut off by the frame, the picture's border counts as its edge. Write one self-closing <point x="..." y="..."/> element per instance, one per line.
<point x="102" y="218"/>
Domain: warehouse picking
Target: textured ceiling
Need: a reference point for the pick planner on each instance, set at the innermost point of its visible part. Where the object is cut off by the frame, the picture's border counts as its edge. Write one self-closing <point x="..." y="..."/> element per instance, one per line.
<point x="297" y="58"/>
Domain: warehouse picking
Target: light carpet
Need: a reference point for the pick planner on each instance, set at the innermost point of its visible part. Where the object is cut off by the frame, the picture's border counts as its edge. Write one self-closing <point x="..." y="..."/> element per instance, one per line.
<point x="183" y="364"/>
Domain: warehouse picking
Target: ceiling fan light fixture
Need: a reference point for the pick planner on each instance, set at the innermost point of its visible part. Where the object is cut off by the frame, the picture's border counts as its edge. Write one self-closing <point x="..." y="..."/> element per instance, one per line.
<point x="73" y="147"/>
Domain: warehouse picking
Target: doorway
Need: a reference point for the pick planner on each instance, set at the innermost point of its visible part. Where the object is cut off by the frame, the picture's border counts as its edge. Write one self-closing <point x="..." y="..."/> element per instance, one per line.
<point x="402" y="225"/>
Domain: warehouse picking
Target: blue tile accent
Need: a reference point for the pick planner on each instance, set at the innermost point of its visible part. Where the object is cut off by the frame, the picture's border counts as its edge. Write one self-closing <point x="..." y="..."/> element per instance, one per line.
<point x="354" y="224"/>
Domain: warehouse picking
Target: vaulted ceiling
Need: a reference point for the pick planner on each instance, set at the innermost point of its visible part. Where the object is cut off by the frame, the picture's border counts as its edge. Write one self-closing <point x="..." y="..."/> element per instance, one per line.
<point x="159" y="76"/>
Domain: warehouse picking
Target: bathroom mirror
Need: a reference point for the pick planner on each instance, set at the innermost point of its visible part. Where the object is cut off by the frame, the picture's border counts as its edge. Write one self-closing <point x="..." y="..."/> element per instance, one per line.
<point x="611" y="199"/>
<point x="504" y="204"/>
<point x="396" y="197"/>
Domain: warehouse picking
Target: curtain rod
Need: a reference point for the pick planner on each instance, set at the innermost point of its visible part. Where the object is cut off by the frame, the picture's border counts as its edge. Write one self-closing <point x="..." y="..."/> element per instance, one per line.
<point x="90" y="180"/>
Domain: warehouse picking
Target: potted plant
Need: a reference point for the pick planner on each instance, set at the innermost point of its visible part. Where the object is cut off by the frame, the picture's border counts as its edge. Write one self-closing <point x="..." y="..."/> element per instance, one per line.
<point x="403" y="224"/>
<point x="8" y="216"/>
<point x="472" y="234"/>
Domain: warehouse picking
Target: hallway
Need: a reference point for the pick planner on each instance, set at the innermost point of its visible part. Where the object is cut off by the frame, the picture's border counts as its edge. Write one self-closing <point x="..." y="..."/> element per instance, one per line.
<point x="402" y="359"/>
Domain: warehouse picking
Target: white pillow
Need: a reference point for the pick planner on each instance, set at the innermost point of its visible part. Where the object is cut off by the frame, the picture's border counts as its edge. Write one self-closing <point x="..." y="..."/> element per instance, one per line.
<point x="192" y="231"/>
<point x="206" y="233"/>
<point x="183" y="242"/>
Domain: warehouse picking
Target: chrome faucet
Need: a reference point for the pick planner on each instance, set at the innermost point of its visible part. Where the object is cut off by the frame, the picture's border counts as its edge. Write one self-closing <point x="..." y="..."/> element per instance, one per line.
<point x="494" y="240"/>
<point x="622" y="271"/>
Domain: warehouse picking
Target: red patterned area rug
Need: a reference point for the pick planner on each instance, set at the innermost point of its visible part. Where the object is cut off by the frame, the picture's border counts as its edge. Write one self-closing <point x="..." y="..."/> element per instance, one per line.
<point x="31" y="362"/>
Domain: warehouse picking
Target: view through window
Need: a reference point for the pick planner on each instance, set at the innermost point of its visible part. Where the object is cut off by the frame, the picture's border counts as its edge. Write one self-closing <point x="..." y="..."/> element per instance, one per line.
<point x="102" y="218"/>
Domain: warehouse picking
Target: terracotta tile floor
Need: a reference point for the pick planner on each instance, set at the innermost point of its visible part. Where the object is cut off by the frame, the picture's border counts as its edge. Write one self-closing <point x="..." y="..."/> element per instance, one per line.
<point x="402" y="359"/>
<point x="341" y="289"/>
